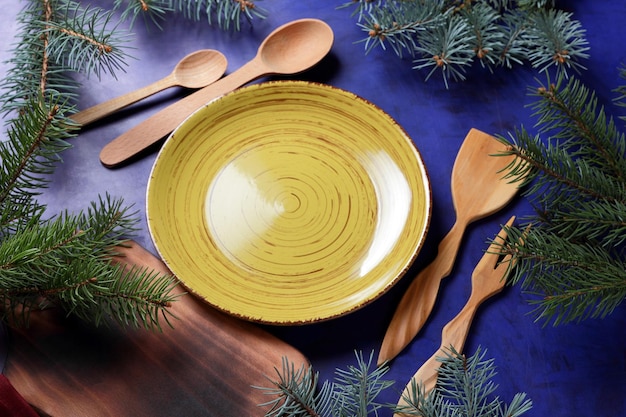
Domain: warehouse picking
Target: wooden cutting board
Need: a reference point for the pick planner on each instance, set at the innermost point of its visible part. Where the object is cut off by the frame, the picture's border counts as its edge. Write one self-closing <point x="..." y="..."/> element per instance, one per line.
<point x="204" y="366"/>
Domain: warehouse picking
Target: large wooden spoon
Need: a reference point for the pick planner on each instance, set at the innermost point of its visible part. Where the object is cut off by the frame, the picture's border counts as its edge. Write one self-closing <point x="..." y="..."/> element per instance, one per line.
<point x="196" y="70"/>
<point x="478" y="190"/>
<point x="289" y="49"/>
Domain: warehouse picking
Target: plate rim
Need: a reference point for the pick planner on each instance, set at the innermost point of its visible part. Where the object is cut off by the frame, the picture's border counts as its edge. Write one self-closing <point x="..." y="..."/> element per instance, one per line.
<point x="426" y="184"/>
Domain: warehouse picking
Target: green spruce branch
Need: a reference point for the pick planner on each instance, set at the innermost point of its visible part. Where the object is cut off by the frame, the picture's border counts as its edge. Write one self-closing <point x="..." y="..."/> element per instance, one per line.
<point x="62" y="260"/>
<point x="65" y="260"/>
<point x="354" y="391"/>
<point x="226" y="14"/>
<point x="572" y="258"/>
<point x="447" y="37"/>
<point x="464" y="388"/>
<point x="57" y="37"/>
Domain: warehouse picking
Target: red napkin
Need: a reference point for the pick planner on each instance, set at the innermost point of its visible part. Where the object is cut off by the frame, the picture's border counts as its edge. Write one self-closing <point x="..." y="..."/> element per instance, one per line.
<point x="12" y="403"/>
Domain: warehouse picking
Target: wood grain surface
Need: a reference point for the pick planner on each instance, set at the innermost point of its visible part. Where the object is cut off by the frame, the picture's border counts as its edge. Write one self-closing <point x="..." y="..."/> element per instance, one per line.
<point x="205" y="366"/>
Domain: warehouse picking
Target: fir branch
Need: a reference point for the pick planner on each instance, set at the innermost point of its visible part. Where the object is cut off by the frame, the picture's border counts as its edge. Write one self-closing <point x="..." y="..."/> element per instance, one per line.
<point x="86" y="40"/>
<point x="599" y="221"/>
<point x="570" y="281"/>
<point x="105" y="224"/>
<point x="357" y="388"/>
<point x="447" y="36"/>
<point x="513" y="48"/>
<point x="55" y="39"/>
<point x="65" y="260"/>
<point x="557" y="40"/>
<point x="554" y="175"/>
<point x="620" y="100"/>
<point x="363" y="8"/>
<point x="464" y="388"/>
<point x="226" y="13"/>
<point x="136" y="298"/>
<point x="94" y="291"/>
<point x="488" y="37"/>
<point x="31" y="75"/>
<point x="352" y="393"/>
<point x="570" y="111"/>
<point x="535" y="4"/>
<point x="571" y="261"/>
<point x="32" y="149"/>
<point x="149" y="10"/>
<point x="448" y="49"/>
<point x="294" y="392"/>
<point x="397" y="24"/>
<point x="17" y="213"/>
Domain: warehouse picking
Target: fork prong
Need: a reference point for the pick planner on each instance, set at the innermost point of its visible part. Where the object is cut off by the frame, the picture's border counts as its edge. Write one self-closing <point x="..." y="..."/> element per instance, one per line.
<point x="520" y="240"/>
<point x="490" y="258"/>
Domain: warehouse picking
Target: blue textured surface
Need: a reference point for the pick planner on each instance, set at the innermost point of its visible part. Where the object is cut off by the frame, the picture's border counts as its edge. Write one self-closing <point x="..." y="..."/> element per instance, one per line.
<point x="575" y="369"/>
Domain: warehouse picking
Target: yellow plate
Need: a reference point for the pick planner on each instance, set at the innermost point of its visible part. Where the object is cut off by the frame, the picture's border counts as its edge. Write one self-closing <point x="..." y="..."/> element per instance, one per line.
<point x="288" y="202"/>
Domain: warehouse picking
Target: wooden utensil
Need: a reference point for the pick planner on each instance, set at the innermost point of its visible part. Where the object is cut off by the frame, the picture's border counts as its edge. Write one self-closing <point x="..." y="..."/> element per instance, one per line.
<point x="205" y="365"/>
<point x="289" y="49"/>
<point x="488" y="278"/>
<point x="196" y="70"/>
<point x="478" y="190"/>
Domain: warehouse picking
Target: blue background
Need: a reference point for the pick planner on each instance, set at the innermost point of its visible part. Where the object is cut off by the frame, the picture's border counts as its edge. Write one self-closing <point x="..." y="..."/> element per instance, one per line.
<point x="574" y="369"/>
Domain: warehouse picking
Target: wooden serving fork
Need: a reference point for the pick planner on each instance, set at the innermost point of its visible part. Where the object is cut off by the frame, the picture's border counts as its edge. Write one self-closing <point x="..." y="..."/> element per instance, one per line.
<point x="488" y="278"/>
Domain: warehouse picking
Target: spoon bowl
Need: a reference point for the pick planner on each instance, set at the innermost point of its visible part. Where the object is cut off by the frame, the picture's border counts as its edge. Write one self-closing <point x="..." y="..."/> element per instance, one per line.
<point x="199" y="69"/>
<point x="195" y="70"/>
<point x="292" y="48"/>
<point x="296" y="47"/>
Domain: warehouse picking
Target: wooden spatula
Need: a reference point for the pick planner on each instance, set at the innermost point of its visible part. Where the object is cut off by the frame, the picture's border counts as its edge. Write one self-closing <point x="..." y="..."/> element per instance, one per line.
<point x="478" y="190"/>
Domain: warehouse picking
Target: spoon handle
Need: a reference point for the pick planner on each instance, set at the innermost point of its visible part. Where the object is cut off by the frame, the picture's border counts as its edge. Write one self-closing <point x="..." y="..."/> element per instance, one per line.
<point x="97" y="112"/>
<point x="420" y="296"/>
<point x="159" y="125"/>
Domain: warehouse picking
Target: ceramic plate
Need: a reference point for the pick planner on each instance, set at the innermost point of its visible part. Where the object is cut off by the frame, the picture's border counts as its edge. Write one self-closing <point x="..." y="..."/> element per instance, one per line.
<point x="288" y="202"/>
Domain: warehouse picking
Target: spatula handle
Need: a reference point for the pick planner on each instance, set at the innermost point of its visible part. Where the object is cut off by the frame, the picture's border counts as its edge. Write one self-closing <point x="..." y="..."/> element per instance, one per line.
<point x="418" y="301"/>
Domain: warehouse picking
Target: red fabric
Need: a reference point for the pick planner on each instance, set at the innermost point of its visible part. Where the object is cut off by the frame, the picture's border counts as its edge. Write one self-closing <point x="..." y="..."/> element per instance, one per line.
<point x="12" y="403"/>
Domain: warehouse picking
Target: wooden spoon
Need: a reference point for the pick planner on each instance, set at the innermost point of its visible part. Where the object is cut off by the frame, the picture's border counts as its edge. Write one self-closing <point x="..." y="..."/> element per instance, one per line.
<point x="196" y="70"/>
<point x="289" y="49"/>
<point x="478" y="190"/>
<point x="488" y="278"/>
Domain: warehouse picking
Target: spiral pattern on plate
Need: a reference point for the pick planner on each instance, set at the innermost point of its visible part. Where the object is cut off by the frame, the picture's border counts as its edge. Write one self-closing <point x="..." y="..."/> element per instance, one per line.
<point x="288" y="202"/>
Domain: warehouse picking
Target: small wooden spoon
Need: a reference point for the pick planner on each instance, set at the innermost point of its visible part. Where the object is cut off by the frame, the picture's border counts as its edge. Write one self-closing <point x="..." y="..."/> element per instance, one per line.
<point x="196" y="70"/>
<point x="289" y="49"/>
<point x="478" y="190"/>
